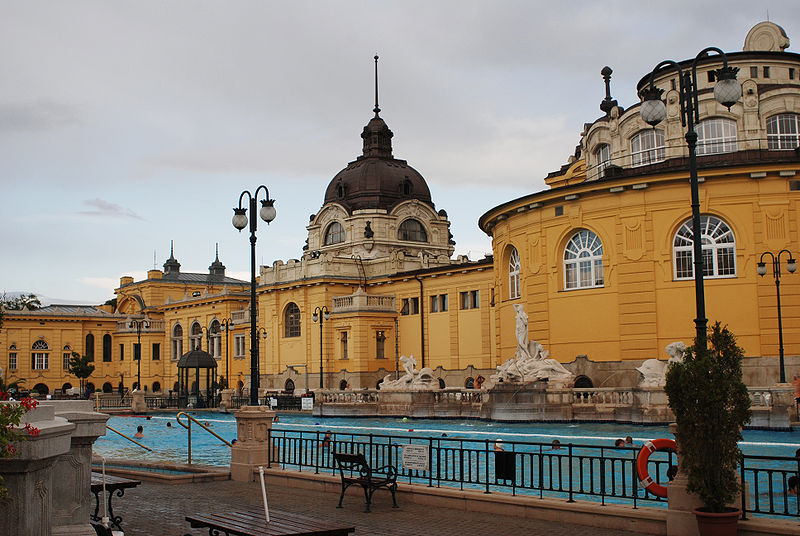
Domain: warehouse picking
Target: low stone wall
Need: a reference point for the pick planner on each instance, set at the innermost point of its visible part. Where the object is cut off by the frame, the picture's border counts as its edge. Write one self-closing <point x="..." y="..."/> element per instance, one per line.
<point x="538" y="401"/>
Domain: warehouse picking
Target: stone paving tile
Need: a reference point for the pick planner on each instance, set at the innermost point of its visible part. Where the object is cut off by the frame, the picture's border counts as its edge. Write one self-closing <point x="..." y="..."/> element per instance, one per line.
<point x="155" y="509"/>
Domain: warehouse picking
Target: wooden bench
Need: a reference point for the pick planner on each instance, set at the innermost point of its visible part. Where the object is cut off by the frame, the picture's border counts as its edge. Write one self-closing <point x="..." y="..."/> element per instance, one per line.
<point x="354" y="469"/>
<point x="252" y="523"/>
<point x="115" y="485"/>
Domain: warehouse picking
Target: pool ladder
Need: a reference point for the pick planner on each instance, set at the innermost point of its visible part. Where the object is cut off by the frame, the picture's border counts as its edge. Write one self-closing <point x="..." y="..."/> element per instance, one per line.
<point x="201" y="425"/>
<point x="129" y="438"/>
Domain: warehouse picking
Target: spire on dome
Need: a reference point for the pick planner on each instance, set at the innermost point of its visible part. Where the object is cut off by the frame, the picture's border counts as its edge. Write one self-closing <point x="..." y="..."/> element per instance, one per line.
<point x="376" y="135"/>
<point x="172" y="266"/>
<point x="217" y="269"/>
<point x="376" y="109"/>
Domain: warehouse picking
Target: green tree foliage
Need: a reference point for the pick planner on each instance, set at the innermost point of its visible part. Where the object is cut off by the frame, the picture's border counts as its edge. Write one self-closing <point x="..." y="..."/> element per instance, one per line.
<point x="23" y="301"/>
<point x="81" y="368"/>
<point x="711" y="405"/>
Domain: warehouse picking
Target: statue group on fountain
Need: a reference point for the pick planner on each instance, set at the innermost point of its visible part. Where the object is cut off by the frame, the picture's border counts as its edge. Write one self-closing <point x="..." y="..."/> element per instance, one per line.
<point x="531" y="361"/>
<point x="412" y="380"/>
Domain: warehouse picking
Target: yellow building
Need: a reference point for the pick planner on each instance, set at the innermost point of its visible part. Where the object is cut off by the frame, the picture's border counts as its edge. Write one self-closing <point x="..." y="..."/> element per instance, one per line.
<point x="601" y="261"/>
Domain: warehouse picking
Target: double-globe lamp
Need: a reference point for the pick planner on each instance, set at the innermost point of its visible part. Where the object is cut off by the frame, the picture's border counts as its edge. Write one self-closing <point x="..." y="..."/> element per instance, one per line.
<point x="240" y="220"/>
<point x="727" y="91"/>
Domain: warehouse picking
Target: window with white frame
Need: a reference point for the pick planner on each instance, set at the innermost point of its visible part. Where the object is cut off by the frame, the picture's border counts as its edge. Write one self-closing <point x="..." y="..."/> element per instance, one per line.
<point x="40" y="355"/>
<point x="216" y="339"/>
<point x="410" y="306"/>
<point x="716" y="136"/>
<point x="65" y="357"/>
<point x="195" y="336"/>
<point x="603" y="156"/>
<point x="647" y="147"/>
<point x="177" y="342"/>
<point x="783" y="131"/>
<point x="291" y="320"/>
<point x="439" y="303"/>
<point x="583" y="261"/>
<point x="380" y="344"/>
<point x="719" y="249"/>
<point x="513" y="274"/>
<point x="334" y="234"/>
<point x="238" y="346"/>
<point x="12" y="357"/>
<point x="344" y="345"/>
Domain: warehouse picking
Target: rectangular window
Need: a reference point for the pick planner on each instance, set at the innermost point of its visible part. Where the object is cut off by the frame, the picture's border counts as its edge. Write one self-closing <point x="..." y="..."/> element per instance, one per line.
<point x="753" y="72"/>
<point x="439" y="303"/>
<point x="470" y="299"/>
<point x="156" y="351"/>
<point x="137" y="351"/>
<point x="560" y="210"/>
<point x="65" y="358"/>
<point x="344" y="345"/>
<point x="122" y="352"/>
<point x="794" y="186"/>
<point x="711" y="76"/>
<point x="766" y="71"/>
<point x="41" y="361"/>
<point x="410" y="306"/>
<point x="12" y="361"/>
<point x="791" y="73"/>
<point x="380" y="344"/>
<point x="238" y="346"/>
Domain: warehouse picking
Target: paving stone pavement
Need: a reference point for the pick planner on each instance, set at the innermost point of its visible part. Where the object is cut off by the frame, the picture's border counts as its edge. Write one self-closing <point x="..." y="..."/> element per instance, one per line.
<point x="155" y="509"/>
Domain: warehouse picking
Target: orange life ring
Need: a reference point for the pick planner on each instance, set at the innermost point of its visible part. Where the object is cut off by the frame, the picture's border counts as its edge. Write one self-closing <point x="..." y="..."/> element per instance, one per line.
<point x="641" y="464"/>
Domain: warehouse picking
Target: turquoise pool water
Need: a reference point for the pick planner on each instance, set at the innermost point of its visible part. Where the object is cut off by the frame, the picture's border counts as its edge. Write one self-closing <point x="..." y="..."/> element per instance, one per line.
<point x="170" y="444"/>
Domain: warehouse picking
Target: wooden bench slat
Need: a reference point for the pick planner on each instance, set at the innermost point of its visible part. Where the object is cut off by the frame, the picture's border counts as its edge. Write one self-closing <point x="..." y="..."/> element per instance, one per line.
<point x="253" y="523"/>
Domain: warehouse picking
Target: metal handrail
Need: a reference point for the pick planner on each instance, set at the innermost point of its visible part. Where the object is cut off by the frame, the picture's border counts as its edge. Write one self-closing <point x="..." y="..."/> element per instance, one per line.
<point x="203" y="426"/>
<point x="129" y="439"/>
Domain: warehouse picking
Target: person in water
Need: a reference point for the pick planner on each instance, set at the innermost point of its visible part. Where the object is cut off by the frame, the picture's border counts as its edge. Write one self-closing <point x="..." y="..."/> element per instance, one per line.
<point x="139" y="432"/>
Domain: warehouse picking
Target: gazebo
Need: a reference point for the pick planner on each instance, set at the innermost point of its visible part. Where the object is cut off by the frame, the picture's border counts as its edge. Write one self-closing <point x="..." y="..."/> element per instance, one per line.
<point x="194" y="361"/>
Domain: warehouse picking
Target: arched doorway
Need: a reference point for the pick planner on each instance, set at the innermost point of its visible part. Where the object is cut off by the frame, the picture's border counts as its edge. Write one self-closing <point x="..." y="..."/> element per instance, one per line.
<point x="289" y="386"/>
<point x="90" y="388"/>
<point x="583" y="382"/>
<point x="65" y="387"/>
<point x="469" y="383"/>
<point x="441" y="384"/>
<point x="156" y="387"/>
<point x="378" y="385"/>
<point x="343" y="385"/>
<point x="108" y="388"/>
<point x="41" y="388"/>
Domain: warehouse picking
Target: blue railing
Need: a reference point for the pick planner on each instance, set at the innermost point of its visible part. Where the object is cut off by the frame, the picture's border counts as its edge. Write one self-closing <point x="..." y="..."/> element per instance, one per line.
<point x="586" y="471"/>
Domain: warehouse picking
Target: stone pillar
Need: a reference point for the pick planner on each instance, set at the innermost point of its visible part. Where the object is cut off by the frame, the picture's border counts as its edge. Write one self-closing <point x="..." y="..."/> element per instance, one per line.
<point x="783" y="410"/>
<point x="72" y="505"/>
<point x="681" y="504"/>
<point x="253" y="425"/>
<point x="138" y="404"/>
<point x="29" y="476"/>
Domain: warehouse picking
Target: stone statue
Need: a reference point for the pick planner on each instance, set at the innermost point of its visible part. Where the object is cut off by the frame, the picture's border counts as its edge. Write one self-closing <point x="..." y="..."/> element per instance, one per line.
<point x="412" y="380"/>
<point x="368" y="232"/>
<point x="531" y="361"/>
<point x="654" y="371"/>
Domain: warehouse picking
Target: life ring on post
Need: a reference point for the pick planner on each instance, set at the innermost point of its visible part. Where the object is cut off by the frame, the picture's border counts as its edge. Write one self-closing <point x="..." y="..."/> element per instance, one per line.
<point x="641" y="464"/>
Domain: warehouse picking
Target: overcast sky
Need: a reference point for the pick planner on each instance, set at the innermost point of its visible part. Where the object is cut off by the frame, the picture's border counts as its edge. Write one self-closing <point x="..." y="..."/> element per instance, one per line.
<point x="127" y="124"/>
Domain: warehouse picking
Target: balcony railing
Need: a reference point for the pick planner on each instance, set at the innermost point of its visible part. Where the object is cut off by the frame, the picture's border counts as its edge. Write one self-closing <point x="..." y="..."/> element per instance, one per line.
<point x="155" y="326"/>
<point x="361" y="301"/>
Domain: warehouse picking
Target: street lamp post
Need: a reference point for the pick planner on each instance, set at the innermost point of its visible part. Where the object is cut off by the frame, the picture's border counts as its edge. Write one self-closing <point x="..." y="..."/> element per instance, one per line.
<point x="791" y="266"/>
<point x="138" y="324"/>
<point x="240" y="220"/>
<point x="228" y="327"/>
<point x="322" y="314"/>
<point x="727" y="92"/>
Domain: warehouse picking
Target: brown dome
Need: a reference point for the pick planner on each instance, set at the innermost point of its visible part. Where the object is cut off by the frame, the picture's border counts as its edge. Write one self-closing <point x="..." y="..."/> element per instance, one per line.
<point x="377" y="179"/>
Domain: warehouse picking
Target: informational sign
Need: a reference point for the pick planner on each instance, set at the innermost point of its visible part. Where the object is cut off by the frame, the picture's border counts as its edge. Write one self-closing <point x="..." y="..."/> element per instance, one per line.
<point x="416" y="457"/>
<point x="306" y="403"/>
<point x="273" y="402"/>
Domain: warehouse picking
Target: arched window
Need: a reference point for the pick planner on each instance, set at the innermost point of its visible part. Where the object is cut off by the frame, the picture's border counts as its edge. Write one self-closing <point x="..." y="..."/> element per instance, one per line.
<point x="469" y="383"/>
<point x="603" y="156"/>
<point x="442" y="385"/>
<point x="41" y="388"/>
<point x="106" y="347"/>
<point x="407" y="188"/>
<point x="107" y="387"/>
<point x="719" y="249"/>
<point x="89" y="350"/>
<point x="156" y="387"/>
<point x="343" y="385"/>
<point x="289" y="386"/>
<point x="216" y="339"/>
<point x="291" y="320"/>
<point x="647" y="147"/>
<point x="334" y="234"/>
<point x="177" y="342"/>
<point x="412" y="230"/>
<point x="195" y="336"/>
<point x="40" y="355"/>
<point x="783" y="131"/>
<point x="513" y="274"/>
<point x="66" y="386"/>
<point x="716" y="136"/>
<point x="583" y="261"/>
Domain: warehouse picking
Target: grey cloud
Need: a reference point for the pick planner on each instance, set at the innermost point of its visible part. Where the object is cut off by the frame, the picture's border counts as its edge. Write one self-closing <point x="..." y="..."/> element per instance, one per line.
<point x="104" y="209"/>
<point x="41" y="115"/>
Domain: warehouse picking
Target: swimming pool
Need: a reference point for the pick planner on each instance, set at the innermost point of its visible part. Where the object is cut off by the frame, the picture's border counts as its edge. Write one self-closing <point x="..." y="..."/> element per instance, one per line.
<point x="169" y="444"/>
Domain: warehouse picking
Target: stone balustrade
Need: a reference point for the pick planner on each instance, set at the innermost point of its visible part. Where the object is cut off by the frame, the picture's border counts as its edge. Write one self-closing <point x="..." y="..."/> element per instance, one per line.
<point x="360" y="301"/>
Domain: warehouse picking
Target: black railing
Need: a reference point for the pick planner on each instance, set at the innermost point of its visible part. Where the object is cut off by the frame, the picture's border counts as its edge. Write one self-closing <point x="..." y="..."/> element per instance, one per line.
<point x="160" y="402"/>
<point x="595" y="472"/>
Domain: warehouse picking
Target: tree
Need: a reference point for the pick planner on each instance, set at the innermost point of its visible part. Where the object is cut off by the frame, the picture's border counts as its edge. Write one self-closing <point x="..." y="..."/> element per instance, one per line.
<point x="81" y="368"/>
<point x="23" y="301"/>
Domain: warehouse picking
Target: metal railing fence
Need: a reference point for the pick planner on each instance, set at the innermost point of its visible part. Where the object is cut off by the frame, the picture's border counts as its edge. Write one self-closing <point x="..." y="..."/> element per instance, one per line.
<point x="594" y="472"/>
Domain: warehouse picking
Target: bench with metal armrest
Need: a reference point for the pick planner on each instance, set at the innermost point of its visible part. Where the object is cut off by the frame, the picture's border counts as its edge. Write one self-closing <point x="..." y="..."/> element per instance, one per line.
<point x="354" y="469"/>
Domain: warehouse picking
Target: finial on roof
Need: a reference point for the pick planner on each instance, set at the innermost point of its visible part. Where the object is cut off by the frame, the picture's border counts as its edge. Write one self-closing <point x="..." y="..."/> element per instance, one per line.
<point x="607" y="104"/>
<point x="376" y="109"/>
<point x="217" y="269"/>
<point x="172" y="266"/>
<point x="217" y="252"/>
